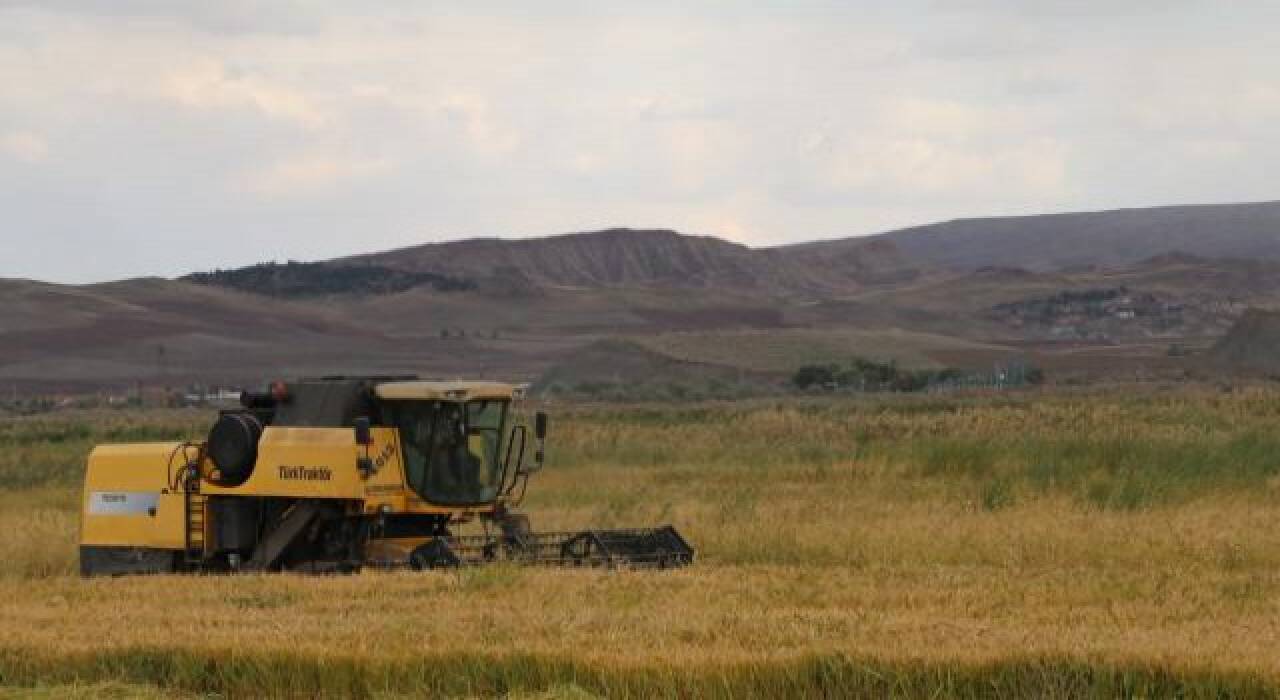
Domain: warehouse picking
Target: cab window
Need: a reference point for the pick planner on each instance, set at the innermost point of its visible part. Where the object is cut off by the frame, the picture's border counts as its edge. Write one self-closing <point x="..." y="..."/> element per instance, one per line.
<point x="451" y="449"/>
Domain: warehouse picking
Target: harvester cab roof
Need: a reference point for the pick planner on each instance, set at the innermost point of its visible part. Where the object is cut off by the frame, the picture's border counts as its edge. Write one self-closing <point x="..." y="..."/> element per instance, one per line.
<point x="335" y="473"/>
<point x="339" y="401"/>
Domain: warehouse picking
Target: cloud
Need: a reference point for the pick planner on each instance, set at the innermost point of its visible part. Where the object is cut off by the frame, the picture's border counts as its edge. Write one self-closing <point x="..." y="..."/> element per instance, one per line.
<point x="174" y="122"/>
<point x="931" y="167"/>
<point x="311" y="174"/>
<point x="474" y="116"/>
<point x="24" y="146"/>
<point x="210" y="85"/>
<point x="223" y="16"/>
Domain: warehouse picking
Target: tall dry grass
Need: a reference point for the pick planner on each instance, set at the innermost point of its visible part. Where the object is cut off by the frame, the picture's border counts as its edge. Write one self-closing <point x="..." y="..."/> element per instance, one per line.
<point x="40" y="531"/>
<point x="724" y="631"/>
<point x="1048" y="545"/>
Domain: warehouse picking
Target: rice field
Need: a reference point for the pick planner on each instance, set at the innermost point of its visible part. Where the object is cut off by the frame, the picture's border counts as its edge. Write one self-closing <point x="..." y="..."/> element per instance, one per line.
<point x="1105" y="543"/>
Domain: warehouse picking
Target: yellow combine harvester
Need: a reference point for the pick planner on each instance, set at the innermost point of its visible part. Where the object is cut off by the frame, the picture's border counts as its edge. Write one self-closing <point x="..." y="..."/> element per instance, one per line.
<point x="337" y="473"/>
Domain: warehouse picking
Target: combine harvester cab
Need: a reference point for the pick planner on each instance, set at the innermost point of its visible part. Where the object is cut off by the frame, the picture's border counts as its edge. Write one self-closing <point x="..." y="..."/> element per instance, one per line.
<point x="337" y="473"/>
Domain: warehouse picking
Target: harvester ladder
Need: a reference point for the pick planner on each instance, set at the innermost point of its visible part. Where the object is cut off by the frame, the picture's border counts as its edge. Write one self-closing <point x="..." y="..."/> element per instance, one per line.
<point x="196" y="509"/>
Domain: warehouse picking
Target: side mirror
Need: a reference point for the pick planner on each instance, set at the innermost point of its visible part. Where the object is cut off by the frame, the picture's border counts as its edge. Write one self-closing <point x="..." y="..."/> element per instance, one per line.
<point x="364" y="436"/>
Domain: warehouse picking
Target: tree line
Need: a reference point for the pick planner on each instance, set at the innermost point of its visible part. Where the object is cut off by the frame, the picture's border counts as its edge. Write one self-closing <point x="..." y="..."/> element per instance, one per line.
<point x="300" y="279"/>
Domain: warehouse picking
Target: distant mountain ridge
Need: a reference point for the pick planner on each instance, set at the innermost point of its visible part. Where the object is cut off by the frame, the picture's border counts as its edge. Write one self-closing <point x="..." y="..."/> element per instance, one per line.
<point x="623" y="257"/>
<point x="1107" y="238"/>
<point x="662" y="258"/>
<point x="612" y="257"/>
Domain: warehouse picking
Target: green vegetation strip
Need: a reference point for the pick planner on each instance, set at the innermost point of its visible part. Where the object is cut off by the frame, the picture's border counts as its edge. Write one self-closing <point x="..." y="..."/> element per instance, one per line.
<point x="287" y="675"/>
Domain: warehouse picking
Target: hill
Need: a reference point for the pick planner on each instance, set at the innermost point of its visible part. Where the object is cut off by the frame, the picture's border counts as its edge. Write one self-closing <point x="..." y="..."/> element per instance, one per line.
<point x="1250" y="345"/>
<point x="1105" y="238"/>
<point x="170" y="333"/>
<point x="644" y="258"/>
<point x="610" y="258"/>
<point x="665" y="259"/>
<point x="1129" y="292"/>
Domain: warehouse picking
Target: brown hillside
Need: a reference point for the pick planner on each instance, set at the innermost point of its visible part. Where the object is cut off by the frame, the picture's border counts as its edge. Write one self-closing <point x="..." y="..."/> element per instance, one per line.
<point x="163" y="332"/>
<point x="1048" y="284"/>
<point x="612" y="258"/>
<point x="1008" y="247"/>
<point x="645" y="258"/>
<point x="1107" y="238"/>
<point x="1251" y="346"/>
<point x="615" y="368"/>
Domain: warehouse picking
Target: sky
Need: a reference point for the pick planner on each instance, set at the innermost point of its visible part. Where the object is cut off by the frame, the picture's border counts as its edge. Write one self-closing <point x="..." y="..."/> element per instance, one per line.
<point x="149" y="137"/>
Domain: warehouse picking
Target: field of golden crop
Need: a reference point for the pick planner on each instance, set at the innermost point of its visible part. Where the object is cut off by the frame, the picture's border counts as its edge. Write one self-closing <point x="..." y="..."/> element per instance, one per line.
<point x="1119" y="543"/>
